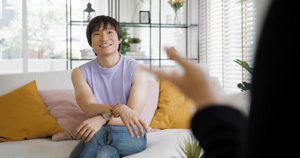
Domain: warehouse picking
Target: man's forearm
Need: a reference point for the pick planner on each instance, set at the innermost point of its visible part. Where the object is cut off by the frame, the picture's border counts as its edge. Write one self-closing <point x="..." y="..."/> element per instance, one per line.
<point x="94" y="109"/>
<point x="113" y="121"/>
<point x="116" y="122"/>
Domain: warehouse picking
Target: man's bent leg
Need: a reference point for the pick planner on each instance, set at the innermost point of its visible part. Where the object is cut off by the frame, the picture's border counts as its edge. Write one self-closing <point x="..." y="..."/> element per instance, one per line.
<point x="107" y="151"/>
<point x="120" y="139"/>
<point x="90" y="149"/>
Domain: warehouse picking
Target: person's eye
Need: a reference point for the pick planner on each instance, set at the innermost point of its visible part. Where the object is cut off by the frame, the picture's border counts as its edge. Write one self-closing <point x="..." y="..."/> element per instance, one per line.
<point x="97" y="33"/>
<point x="110" y="32"/>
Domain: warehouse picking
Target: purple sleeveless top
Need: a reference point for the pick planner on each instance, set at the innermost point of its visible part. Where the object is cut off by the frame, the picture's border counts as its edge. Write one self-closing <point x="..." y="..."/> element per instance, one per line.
<point x="110" y="85"/>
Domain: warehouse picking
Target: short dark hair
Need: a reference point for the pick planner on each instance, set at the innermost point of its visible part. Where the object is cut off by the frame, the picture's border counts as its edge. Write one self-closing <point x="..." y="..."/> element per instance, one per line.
<point x="95" y="24"/>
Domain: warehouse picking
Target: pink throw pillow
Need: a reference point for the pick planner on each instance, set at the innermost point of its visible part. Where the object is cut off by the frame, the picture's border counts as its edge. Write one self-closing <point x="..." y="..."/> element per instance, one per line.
<point x="151" y="103"/>
<point x="63" y="107"/>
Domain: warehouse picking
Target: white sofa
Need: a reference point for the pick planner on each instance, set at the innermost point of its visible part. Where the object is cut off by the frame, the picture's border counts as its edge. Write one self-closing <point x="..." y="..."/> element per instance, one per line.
<point x="161" y="144"/>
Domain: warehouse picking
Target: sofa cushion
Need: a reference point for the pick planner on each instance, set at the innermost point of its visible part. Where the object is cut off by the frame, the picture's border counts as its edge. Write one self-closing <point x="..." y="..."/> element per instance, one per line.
<point x="161" y="144"/>
<point x="173" y="108"/>
<point x="24" y="115"/>
<point x="63" y="107"/>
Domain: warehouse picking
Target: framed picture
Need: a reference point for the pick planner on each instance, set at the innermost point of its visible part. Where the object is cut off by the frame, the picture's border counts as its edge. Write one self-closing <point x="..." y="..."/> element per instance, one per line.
<point x="144" y="17"/>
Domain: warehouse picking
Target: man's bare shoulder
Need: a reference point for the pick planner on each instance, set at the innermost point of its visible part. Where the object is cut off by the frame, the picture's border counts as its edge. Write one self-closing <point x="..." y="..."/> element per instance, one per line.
<point x="77" y="76"/>
<point x="141" y="73"/>
<point x="76" y="72"/>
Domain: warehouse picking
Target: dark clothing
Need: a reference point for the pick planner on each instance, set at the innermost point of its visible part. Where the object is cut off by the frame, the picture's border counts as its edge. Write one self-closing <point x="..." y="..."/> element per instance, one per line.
<point x="271" y="130"/>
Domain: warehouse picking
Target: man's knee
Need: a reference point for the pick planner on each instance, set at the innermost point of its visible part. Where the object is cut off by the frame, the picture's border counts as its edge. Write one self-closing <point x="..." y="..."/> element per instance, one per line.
<point x="101" y="135"/>
<point x="107" y="151"/>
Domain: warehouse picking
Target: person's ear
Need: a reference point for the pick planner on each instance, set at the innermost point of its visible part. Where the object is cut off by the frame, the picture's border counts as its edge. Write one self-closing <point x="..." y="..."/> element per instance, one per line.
<point x="90" y="44"/>
<point x="120" y="40"/>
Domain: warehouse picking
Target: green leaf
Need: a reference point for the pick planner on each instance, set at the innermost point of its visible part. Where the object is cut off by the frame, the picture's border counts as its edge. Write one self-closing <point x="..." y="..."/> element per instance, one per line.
<point x="191" y="148"/>
<point x="244" y="87"/>
<point x="176" y="6"/>
<point x="240" y="86"/>
<point x="134" y="40"/>
<point x="244" y="64"/>
<point x="247" y="85"/>
<point x="124" y="46"/>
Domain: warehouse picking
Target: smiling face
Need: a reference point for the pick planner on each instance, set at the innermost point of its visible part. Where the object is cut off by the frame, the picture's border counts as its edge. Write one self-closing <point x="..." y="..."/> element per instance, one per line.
<point x="105" y="40"/>
<point x="104" y="34"/>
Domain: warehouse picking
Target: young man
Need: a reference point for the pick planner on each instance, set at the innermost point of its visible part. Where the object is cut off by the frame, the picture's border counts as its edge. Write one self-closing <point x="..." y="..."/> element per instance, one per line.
<point x="109" y="86"/>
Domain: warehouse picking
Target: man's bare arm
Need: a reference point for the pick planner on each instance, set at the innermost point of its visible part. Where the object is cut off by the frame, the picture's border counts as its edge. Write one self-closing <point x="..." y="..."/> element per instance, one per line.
<point x="138" y="92"/>
<point x="137" y="97"/>
<point x="85" y="97"/>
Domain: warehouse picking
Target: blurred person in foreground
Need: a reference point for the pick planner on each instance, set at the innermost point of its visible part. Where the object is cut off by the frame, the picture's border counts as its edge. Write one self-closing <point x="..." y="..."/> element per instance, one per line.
<point x="271" y="129"/>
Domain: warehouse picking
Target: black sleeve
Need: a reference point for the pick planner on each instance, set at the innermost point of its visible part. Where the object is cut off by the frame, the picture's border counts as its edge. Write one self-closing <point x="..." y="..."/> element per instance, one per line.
<point x="272" y="127"/>
<point x="273" y="119"/>
<point x="219" y="129"/>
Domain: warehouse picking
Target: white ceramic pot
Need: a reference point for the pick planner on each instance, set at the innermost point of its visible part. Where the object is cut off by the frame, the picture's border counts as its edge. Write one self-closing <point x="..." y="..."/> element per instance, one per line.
<point x="134" y="47"/>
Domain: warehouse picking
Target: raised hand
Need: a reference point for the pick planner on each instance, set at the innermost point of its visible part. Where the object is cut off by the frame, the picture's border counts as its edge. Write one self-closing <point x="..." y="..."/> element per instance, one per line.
<point x="193" y="82"/>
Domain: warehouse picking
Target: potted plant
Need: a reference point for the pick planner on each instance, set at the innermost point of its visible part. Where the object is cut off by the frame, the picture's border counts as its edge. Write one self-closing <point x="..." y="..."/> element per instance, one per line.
<point x="191" y="148"/>
<point x="134" y="44"/>
<point x="124" y="45"/>
<point x="244" y="86"/>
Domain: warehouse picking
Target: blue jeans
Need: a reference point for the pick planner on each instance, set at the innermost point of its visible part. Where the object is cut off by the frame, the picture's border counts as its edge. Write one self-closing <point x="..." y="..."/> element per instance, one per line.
<point x="110" y="141"/>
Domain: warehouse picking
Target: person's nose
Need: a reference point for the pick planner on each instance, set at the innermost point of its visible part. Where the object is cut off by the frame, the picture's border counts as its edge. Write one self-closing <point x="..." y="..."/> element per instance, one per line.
<point x="103" y="37"/>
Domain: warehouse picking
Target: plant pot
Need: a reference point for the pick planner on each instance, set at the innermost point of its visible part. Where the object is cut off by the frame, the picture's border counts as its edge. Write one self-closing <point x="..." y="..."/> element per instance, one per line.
<point x="134" y="47"/>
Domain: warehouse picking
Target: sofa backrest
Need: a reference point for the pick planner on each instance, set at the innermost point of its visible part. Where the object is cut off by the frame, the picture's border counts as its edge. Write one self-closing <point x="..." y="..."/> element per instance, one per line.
<point x="153" y="77"/>
<point x="203" y="67"/>
<point x="51" y="80"/>
<point x="57" y="80"/>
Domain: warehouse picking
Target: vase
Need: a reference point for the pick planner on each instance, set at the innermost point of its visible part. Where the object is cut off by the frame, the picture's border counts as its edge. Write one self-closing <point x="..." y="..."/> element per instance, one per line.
<point x="176" y="18"/>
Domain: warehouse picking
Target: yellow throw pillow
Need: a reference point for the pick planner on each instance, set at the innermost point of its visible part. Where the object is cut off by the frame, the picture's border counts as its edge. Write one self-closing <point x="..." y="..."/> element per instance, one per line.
<point x="23" y="115"/>
<point x="173" y="108"/>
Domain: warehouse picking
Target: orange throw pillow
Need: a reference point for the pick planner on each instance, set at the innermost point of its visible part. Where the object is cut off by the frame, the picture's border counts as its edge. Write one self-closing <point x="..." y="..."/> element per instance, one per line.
<point x="24" y="115"/>
<point x="173" y="108"/>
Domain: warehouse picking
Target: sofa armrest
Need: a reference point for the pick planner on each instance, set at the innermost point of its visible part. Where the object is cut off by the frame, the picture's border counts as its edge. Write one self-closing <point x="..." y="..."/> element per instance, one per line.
<point x="240" y="101"/>
<point x="218" y="86"/>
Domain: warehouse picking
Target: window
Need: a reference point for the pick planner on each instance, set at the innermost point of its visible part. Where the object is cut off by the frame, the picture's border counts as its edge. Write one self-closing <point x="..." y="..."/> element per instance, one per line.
<point x="227" y="33"/>
<point x="46" y="36"/>
<point x="11" y="36"/>
<point x="46" y="26"/>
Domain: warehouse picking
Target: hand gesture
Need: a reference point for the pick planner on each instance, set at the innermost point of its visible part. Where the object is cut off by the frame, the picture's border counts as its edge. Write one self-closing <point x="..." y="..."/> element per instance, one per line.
<point x="131" y="118"/>
<point x="194" y="82"/>
<point x="88" y="128"/>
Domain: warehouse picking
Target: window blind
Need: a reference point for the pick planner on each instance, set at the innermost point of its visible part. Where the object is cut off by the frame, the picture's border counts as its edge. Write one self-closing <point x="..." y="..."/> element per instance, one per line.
<point x="227" y="33"/>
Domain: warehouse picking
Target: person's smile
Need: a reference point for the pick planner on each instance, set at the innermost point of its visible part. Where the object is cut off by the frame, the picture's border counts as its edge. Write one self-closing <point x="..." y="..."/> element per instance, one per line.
<point x="106" y="45"/>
